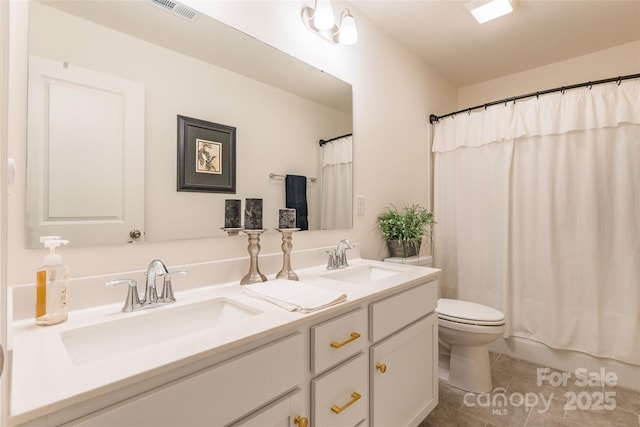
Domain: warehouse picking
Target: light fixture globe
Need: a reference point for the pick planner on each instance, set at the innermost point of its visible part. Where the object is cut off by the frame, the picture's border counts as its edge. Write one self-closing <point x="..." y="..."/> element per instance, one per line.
<point x="323" y="15"/>
<point x="348" y="32"/>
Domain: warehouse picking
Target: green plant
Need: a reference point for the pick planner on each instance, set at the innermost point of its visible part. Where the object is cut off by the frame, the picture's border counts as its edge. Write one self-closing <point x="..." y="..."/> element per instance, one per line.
<point x="408" y="225"/>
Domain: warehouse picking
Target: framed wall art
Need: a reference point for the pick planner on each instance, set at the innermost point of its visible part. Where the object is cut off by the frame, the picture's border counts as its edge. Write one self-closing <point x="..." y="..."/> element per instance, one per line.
<point x="206" y="156"/>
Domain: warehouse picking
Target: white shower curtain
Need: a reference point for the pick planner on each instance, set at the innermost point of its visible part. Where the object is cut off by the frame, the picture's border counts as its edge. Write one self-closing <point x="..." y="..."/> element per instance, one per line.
<point x="336" y="184"/>
<point x="538" y="210"/>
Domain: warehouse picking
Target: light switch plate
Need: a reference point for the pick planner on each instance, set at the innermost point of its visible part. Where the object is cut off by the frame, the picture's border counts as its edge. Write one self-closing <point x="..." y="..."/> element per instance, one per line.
<point x="359" y="205"/>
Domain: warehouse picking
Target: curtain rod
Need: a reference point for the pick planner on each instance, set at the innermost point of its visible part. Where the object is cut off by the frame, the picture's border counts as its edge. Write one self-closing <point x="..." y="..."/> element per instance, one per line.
<point x="324" y="141"/>
<point x="434" y="119"/>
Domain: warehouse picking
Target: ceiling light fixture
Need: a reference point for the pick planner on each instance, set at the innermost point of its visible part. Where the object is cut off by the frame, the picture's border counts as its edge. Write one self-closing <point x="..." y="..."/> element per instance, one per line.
<point x="486" y="10"/>
<point x="320" y="20"/>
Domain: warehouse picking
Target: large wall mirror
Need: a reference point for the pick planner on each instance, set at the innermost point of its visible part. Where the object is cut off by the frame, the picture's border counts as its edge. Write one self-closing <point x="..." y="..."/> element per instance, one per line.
<point x="108" y="80"/>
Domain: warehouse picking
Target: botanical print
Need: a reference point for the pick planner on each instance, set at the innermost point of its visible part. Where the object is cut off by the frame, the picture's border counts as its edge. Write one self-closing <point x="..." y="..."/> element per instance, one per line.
<point x="208" y="157"/>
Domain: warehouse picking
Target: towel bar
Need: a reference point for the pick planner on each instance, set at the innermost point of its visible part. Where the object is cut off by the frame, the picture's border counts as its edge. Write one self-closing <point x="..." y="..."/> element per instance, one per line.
<point x="275" y="175"/>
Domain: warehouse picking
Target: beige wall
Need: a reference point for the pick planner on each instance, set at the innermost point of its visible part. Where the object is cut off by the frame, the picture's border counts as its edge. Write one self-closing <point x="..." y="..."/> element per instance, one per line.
<point x="393" y="94"/>
<point x="613" y="62"/>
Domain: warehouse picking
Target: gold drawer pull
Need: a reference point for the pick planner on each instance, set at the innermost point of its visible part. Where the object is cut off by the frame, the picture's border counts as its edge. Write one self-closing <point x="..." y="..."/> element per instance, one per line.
<point x="355" y="397"/>
<point x="301" y="421"/>
<point x="381" y="367"/>
<point x="354" y="336"/>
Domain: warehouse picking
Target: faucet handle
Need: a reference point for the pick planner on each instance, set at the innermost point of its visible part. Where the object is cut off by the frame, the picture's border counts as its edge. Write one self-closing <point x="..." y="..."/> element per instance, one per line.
<point x="345" y="244"/>
<point x="167" y="288"/>
<point x="132" y="300"/>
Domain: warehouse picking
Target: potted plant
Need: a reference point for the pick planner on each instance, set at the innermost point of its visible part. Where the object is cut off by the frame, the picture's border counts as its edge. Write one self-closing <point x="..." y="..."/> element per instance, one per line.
<point x="404" y="229"/>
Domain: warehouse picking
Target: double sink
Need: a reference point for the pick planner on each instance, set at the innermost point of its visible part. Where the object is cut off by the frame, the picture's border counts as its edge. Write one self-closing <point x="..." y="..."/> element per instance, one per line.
<point x="133" y="331"/>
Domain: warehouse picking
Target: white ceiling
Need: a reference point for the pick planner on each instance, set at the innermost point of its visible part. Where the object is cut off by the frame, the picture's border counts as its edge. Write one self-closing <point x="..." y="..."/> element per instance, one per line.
<point x="537" y="33"/>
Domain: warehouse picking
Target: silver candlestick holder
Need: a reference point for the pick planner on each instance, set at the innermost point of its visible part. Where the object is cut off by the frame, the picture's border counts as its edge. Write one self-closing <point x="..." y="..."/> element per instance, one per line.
<point x="254" y="275"/>
<point x="231" y="231"/>
<point x="287" y="272"/>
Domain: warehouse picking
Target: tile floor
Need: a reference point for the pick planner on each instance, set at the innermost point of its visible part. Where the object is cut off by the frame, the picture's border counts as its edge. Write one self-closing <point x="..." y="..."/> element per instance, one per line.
<point x="518" y="401"/>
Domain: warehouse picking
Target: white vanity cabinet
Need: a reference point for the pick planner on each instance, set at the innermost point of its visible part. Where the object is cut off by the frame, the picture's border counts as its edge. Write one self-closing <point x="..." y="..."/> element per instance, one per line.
<point x="371" y="361"/>
<point x="403" y="359"/>
<point x="215" y="396"/>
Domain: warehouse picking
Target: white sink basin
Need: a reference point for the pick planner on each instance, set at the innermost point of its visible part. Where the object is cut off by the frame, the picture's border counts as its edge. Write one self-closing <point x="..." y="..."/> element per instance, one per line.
<point x="96" y="342"/>
<point x="364" y="274"/>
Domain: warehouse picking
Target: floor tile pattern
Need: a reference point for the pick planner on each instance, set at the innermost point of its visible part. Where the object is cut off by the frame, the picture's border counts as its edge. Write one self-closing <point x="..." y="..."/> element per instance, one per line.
<point x="523" y="396"/>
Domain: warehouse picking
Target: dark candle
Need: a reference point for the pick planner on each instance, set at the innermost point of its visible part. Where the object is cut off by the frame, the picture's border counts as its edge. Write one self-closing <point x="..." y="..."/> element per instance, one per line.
<point x="232" y="213"/>
<point x="253" y="214"/>
<point x="287" y="218"/>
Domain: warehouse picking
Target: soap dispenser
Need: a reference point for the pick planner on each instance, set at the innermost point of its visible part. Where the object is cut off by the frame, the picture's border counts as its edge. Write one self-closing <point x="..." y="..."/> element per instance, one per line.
<point x="51" y="285"/>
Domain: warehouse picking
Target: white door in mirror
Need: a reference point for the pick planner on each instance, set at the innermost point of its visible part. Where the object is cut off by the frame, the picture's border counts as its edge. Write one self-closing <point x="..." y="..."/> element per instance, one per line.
<point x="86" y="144"/>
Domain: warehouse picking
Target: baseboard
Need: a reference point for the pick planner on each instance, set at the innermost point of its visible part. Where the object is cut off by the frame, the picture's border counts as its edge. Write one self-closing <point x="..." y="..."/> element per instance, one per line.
<point x="567" y="360"/>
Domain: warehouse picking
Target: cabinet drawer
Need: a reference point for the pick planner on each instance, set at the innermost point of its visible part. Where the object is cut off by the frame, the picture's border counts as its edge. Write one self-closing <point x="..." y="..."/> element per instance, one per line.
<point x="337" y="339"/>
<point x="395" y="312"/>
<point x="340" y="397"/>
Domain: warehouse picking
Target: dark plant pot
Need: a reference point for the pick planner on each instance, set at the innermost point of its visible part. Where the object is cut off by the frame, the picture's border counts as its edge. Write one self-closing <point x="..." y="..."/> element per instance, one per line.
<point x="403" y="249"/>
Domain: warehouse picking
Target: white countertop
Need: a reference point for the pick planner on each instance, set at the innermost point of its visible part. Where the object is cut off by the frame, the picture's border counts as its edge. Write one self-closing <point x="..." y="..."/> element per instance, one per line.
<point x="45" y="380"/>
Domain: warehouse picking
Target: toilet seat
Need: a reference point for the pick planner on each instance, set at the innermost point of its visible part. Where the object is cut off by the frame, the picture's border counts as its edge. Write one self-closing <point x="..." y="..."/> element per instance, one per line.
<point x="469" y="313"/>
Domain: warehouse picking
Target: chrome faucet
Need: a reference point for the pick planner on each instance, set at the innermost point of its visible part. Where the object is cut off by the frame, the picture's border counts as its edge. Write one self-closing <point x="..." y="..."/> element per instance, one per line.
<point x="156" y="269"/>
<point x="338" y="256"/>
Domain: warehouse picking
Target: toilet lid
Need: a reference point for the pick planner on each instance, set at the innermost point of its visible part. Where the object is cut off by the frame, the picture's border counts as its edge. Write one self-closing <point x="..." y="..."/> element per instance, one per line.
<point x="468" y="312"/>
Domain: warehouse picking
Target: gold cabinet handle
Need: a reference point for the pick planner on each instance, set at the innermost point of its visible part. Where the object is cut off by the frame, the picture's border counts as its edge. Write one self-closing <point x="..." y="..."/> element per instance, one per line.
<point x="301" y="421"/>
<point x="354" y="336"/>
<point x="381" y="367"/>
<point x="355" y="396"/>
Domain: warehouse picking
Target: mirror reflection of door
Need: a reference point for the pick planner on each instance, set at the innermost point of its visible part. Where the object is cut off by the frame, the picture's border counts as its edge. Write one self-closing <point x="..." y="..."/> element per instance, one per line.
<point x="85" y="154"/>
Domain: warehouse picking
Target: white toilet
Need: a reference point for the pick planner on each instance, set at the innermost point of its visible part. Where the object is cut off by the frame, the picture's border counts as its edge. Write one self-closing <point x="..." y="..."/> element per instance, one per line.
<point x="465" y="329"/>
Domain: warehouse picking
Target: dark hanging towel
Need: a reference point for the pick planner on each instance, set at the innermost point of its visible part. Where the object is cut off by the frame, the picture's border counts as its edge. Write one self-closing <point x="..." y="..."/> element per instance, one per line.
<point x="296" y="195"/>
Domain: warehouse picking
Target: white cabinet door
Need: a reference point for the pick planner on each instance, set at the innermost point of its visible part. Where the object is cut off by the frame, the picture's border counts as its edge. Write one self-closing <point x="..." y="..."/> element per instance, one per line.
<point x="288" y="411"/>
<point x="215" y="396"/>
<point x="403" y="369"/>
<point x="85" y="150"/>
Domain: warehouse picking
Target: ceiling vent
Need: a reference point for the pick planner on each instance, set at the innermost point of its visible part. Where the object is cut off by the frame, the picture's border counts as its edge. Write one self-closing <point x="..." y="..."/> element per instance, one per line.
<point x="176" y="9"/>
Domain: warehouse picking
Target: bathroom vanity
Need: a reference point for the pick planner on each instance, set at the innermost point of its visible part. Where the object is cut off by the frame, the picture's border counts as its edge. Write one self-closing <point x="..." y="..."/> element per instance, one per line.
<point x="220" y="357"/>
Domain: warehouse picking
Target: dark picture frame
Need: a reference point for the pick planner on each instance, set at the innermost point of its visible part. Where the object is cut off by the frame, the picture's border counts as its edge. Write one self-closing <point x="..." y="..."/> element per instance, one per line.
<point x="206" y="156"/>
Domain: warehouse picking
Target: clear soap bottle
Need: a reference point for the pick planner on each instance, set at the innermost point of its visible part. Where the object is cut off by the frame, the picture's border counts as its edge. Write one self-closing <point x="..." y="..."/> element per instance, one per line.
<point x="51" y="285"/>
